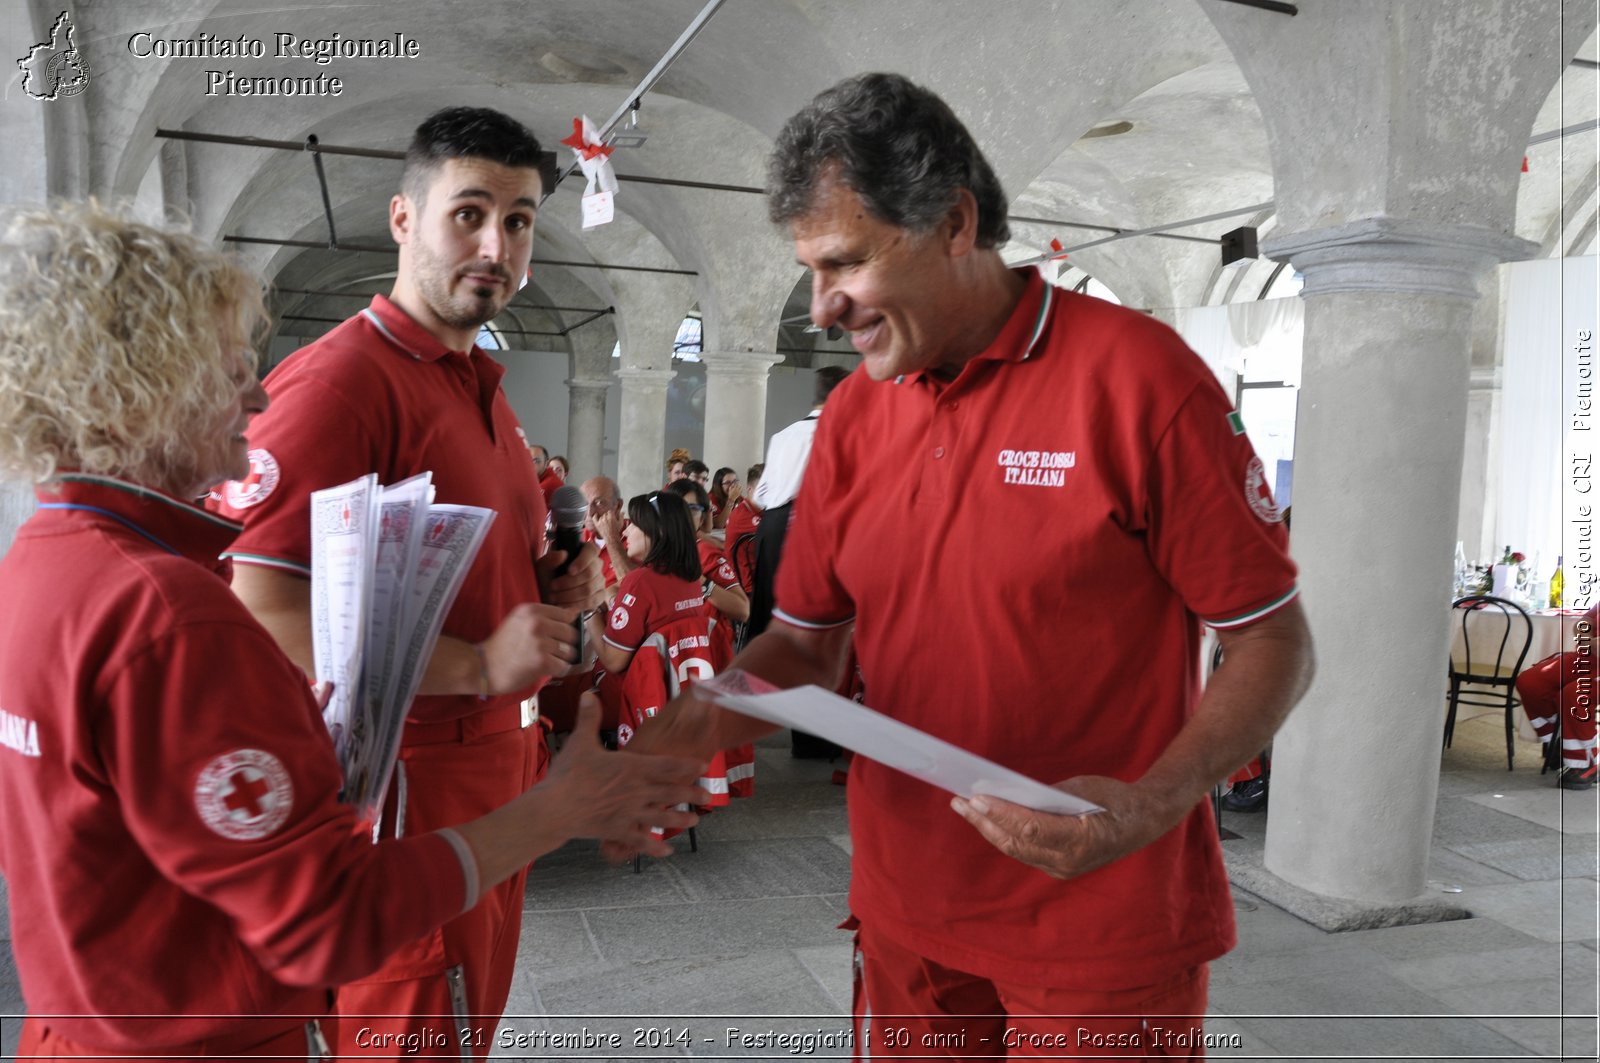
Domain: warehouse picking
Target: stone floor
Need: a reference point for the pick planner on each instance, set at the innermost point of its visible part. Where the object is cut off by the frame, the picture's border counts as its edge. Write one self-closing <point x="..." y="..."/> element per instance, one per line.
<point x="740" y="936"/>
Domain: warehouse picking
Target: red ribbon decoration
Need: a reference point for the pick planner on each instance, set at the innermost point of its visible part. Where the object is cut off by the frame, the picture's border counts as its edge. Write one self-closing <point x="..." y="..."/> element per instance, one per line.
<point x="578" y="144"/>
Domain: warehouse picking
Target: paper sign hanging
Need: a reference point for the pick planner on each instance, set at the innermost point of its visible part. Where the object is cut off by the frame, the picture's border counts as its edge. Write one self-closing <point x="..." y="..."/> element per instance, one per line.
<point x="594" y="157"/>
<point x="598" y="209"/>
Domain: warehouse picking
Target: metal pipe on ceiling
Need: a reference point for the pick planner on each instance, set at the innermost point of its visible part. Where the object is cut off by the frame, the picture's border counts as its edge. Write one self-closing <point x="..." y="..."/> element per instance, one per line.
<point x="340" y="320"/>
<point x="322" y="183"/>
<point x="509" y="306"/>
<point x="1564" y="131"/>
<point x="1118" y="230"/>
<point x="1267" y="5"/>
<point x="1155" y="229"/>
<point x="649" y="81"/>
<point x="374" y="249"/>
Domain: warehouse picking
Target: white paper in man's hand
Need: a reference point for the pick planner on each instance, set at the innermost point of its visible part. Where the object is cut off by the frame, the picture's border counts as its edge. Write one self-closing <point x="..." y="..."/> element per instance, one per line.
<point x="889" y="742"/>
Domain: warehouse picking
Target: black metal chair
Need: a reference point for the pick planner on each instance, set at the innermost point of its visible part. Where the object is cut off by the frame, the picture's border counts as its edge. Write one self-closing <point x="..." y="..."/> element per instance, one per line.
<point x="1490" y="660"/>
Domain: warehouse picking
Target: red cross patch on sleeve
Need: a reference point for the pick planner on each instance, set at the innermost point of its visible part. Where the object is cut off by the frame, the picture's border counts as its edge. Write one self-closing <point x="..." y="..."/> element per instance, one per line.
<point x="244" y="795"/>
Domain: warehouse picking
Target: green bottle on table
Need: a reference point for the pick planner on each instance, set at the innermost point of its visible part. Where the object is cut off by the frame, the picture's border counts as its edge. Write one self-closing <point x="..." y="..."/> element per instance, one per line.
<point x="1557" y="583"/>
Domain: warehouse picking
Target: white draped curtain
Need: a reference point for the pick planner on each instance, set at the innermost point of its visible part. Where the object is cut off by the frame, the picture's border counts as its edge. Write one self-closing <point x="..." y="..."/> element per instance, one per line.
<point x="1256" y="341"/>
<point x="1549" y="304"/>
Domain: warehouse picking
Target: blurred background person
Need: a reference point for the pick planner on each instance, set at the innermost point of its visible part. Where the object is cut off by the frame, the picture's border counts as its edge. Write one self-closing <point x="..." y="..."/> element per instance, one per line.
<point x="675" y="463"/>
<point x="698" y="471"/>
<point x="724" y="491"/>
<point x="743" y="520"/>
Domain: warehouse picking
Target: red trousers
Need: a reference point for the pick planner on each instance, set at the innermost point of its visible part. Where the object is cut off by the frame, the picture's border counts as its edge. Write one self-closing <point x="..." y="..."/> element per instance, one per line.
<point x="907" y="1006"/>
<point x="296" y="1041"/>
<point x="1564" y="687"/>
<point x="444" y="993"/>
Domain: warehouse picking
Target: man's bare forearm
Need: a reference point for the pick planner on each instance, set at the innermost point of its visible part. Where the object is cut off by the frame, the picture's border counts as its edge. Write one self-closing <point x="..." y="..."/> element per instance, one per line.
<point x="1265" y="671"/>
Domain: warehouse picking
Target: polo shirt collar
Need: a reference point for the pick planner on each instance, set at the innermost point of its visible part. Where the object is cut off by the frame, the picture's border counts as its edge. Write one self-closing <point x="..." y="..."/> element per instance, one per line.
<point x="1019" y="339"/>
<point x="171" y="523"/>
<point x="408" y="337"/>
<point x="400" y="329"/>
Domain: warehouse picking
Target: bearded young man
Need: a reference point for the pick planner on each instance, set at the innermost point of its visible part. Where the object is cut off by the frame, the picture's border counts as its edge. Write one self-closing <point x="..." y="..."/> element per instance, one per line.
<point x="400" y="389"/>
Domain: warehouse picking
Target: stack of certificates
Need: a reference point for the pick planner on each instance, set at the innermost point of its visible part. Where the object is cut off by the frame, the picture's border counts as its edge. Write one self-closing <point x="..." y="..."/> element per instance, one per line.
<point x="386" y="565"/>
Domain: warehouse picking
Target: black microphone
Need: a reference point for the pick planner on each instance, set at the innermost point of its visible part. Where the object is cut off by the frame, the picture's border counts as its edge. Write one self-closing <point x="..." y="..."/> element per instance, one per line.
<point x="568" y="508"/>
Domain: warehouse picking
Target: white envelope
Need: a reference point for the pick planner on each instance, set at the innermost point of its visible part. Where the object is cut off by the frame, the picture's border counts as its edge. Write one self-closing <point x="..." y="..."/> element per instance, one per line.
<point x="890" y="742"/>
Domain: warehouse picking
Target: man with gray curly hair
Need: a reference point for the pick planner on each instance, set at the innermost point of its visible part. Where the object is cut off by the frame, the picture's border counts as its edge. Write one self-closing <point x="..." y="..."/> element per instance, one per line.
<point x="991" y="401"/>
<point x="183" y="880"/>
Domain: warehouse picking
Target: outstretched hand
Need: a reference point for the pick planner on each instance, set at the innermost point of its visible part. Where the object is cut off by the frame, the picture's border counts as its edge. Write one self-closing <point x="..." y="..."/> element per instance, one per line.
<point x="1064" y="846"/>
<point x="617" y="797"/>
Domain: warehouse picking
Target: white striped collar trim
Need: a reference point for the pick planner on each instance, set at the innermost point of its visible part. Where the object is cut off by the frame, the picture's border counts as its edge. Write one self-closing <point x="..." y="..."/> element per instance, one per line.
<point x="267" y="562"/>
<point x="1256" y="614"/>
<point x="377" y="322"/>
<point x="810" y="625"/>
<point x="151" y="493"/>
<point x="1039" y="322"/>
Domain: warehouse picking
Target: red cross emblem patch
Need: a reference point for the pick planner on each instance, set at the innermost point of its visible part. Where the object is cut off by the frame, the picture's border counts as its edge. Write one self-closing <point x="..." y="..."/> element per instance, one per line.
<point x="1258" y="494"/>
<point x="257" y="486"/>
<point x="244" y="795"/>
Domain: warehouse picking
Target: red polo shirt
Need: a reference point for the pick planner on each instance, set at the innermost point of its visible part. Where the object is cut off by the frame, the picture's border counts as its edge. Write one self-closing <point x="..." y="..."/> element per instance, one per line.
<point x="1095" y="435"/>
<point x="174" y="845"/>
<point x="380" y="394"/>
<point x="648" y="601"/>
<point x="714" y="565"/>
<point x="742" y="520"/>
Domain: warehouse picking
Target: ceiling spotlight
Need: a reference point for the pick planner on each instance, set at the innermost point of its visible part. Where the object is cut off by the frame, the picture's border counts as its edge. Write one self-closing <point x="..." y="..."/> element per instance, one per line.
<point x="1238" y="245"/>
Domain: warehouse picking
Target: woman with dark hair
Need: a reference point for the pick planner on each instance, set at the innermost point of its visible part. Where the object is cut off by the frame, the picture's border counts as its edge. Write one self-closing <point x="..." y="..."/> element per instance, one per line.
<point x="658" y="636"/>
<point x="723" y="592"/>
<point x="664" y="588"/>
<point x="724" y="493"/>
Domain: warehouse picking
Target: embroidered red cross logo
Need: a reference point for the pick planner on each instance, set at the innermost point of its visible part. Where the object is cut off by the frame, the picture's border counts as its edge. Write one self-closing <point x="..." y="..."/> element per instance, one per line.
<point x="246" y="794"/>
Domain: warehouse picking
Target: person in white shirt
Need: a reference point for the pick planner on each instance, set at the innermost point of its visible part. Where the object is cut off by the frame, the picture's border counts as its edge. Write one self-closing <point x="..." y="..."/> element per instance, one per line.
<point x="790" y="448"/>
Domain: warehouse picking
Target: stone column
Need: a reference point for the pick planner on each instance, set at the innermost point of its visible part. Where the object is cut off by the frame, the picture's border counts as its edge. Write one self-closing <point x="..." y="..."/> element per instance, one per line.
<point x="586" y="426"/>
<point x="644" y="429"/>
<point x="1378" y="453"/>
<point x="736" y="407"/>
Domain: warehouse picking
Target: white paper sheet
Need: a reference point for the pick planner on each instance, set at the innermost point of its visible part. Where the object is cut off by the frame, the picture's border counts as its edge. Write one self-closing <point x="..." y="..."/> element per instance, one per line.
<point x="386" y="566"/>
<point x="344" y="529"/>
<point x="887" y="741"/>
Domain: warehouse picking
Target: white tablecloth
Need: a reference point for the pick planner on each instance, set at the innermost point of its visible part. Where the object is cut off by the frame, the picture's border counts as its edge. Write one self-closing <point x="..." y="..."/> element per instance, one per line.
<point x="1484" y="627"/>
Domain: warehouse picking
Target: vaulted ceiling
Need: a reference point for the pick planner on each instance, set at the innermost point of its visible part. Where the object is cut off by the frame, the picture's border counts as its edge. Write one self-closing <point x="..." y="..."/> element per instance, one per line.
<point x="1095" y="112"/>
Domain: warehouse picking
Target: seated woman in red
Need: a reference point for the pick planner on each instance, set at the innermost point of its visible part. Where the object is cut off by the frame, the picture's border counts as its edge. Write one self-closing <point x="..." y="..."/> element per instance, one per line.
<point x="726" y="598"/>
<point x="724" y="493"/>
<point x="658" y="635"/>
